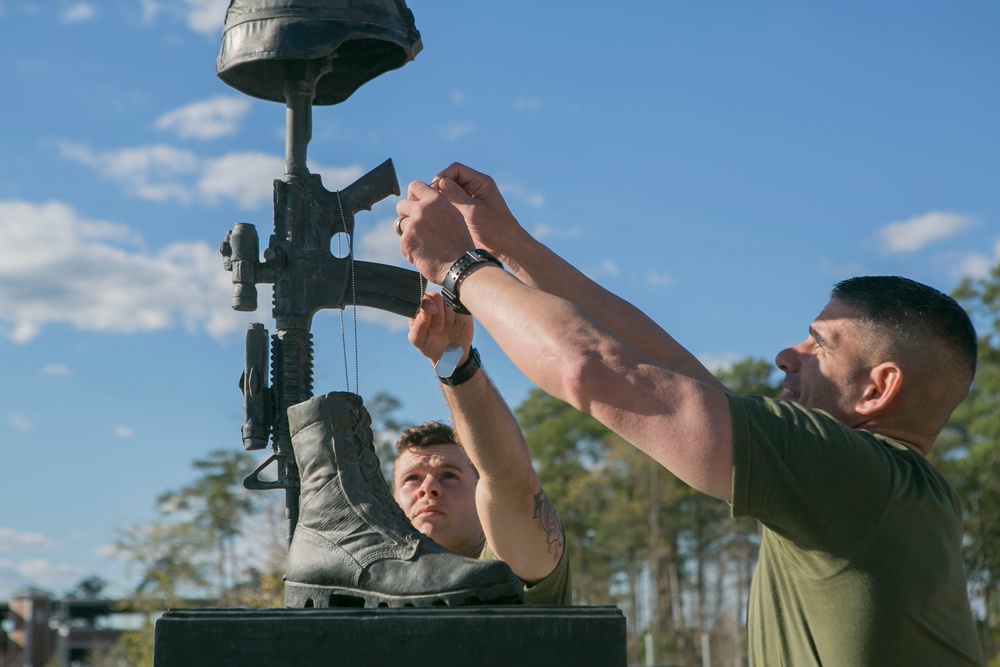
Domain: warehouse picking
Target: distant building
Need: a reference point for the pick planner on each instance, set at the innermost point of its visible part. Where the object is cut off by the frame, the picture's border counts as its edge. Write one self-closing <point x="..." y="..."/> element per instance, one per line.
<point x="37" y="627"/>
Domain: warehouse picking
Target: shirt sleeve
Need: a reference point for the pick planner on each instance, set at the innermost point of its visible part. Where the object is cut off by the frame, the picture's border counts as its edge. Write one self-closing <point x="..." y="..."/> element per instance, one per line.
<point x="805" y="475"/>
<point x="555" y="589"/>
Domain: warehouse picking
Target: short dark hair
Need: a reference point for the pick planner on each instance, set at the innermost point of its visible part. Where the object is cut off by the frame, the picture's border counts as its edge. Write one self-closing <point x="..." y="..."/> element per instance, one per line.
<point x="427" y="435"/>
<point x="910" y="314"/>
<point x="424" y="435"/>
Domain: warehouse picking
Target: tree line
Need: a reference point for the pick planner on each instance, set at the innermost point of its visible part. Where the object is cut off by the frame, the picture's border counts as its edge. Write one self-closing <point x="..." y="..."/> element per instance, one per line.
<point x="673" y="560"/>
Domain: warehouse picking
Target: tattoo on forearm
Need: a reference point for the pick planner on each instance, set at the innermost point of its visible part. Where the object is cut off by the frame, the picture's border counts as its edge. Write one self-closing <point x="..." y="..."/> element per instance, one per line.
<point x="549" y="521"/>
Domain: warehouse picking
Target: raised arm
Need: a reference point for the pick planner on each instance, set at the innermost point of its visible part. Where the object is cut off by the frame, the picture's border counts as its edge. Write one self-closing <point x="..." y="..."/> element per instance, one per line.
<point x="494" y="228"/>
<point x="682" y="422"/>
<point x="521" y="525"/>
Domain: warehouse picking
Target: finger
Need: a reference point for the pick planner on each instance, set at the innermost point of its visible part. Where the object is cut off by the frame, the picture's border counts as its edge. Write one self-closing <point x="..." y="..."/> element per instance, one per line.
<point x="474" y="183"/>
<point x="418" y="189"/>
<point x="432" y="302"/>
<point x="417" y="335"/>
<point x="459" y="173"/>
<point x="405" y="208"/>
<point x="419" y="328"/>
<point x="455" y="193"/>
<point x="426" y="310"/>
<point x="439" y="319"/>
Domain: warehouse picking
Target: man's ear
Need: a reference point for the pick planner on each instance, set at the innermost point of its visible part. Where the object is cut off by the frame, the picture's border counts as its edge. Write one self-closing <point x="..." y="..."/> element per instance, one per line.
<point x="885" y="382"/>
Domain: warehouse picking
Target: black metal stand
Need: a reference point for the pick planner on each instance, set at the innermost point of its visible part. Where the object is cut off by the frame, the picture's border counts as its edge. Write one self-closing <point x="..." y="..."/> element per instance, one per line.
<point x="432" y="637"/>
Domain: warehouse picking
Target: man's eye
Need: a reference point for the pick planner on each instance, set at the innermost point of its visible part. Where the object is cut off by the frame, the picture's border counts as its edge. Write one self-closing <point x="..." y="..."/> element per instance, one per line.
<point x="449" y="475"/>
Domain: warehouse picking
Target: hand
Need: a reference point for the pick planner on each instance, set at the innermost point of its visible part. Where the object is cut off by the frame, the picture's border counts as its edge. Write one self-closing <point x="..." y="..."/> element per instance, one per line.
<point x="477" y="198"/>
<point x="433" y="232"/>
<point x="433" y="329"/>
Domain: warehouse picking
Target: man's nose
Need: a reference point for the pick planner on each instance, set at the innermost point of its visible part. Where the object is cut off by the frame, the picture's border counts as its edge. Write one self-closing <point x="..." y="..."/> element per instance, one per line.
<point x="429" y="487"/>
<point x="787" y="360"/>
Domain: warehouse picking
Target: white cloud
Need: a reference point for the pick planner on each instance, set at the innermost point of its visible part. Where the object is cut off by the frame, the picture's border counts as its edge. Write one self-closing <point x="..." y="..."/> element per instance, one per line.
<point x="337" y="178"/>
<point x="56" y="369"/>
<point x="150" y="8"/>
<point x="124" y="431"/>
<point x="147" y="172"/>
<point x="542" y="231"/>
<point x="603" y="270"/>
<point x="110" y="551"/>
<point x="383" y="318"/>
<point x="21" y="424"/>
<point x="44" y="573"/>
<point x="163" y="173"/>
<point x="972" y="266"/>
<point x="81" y="11"/>
<point x="11" y="539"/>
<point x="207" y="119"/>
<point x="718" y="362"/>
<point x="202" y="16"/>
<point x="654" y="278"/>
<point x="976" y="265"/>
<point x="206" y="16"/>
<point x="380" y="244"/>
<point x="246" y="178"/>
<point x="913" y="234"/>
<point x="56" y="267"/>
<point x="458" y="98"/>
<point x="526" y="104"/>
<point x="452" y="132"/>
<point x="518" y="191"/>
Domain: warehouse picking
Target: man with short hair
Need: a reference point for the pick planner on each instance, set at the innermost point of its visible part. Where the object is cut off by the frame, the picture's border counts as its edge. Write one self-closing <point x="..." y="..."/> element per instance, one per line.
<point x="860" y="560"/>
<point x="473" y="489"/>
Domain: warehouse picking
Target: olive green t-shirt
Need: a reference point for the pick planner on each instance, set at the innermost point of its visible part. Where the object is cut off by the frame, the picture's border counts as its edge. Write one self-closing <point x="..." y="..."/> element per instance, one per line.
<point x="552" y="590"/>
<point x="860" y="558"/>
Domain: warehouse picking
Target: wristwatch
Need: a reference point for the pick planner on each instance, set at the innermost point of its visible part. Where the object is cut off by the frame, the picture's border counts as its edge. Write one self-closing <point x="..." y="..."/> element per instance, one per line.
<point x="464" y="372"/>
<point x="459" y="271"/>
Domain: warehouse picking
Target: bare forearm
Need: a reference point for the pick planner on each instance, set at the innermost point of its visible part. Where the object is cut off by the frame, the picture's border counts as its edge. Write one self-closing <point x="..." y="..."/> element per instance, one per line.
<point x="519" y="522"/>
<point x="488" y="431"/>
<point x="536" y="265"/>
<point x="679" y="421"/>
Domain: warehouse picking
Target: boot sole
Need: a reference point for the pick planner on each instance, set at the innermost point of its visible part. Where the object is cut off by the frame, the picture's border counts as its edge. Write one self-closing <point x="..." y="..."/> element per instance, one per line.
<point x="299" y="596"/>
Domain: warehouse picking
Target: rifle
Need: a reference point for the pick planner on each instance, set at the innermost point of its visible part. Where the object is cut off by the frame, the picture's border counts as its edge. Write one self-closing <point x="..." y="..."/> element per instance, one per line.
<point x="307" y="277"/>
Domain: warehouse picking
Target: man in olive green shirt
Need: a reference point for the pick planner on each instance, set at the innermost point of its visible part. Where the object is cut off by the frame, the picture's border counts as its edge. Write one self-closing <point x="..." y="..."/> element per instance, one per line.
<point x="860" y="561"/>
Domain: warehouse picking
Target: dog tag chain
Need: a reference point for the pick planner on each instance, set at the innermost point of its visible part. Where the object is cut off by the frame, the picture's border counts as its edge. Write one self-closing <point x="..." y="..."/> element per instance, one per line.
<point x="451" y="357"/>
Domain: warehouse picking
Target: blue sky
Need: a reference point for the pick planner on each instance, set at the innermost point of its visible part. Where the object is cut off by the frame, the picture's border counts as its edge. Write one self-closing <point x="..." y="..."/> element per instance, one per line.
<point x="720" y="165"/>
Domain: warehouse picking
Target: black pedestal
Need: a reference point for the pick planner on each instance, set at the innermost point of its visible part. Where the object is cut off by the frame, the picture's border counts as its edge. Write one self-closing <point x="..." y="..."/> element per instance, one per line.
<point x="505" y="636"/>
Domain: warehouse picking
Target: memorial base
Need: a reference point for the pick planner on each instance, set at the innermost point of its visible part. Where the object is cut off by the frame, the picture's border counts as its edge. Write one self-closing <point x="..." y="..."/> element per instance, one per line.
<point x="416" y="637"/>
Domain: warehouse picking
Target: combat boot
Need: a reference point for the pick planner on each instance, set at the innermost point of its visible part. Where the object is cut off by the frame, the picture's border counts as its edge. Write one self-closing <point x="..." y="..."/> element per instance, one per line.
<point x="353" y="545"/>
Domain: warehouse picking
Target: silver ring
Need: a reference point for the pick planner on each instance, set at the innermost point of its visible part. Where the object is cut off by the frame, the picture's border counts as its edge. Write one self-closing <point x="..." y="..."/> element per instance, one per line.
<point x="398" y="226"/>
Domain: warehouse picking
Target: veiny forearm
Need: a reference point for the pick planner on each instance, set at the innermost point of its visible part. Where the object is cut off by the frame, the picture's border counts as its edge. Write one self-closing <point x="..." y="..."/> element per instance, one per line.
<point x="681" y="422"/>
<point x="536" y="265"/>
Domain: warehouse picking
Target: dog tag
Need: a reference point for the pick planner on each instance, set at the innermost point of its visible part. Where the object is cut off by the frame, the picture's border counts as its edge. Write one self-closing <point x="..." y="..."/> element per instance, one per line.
<point x="449" y="361"/>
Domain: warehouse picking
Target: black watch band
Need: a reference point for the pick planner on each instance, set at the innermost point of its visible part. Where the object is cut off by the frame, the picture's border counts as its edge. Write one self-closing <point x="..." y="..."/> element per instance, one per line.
<point x="458" y="272"/>
<point x="465" y="372"/>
